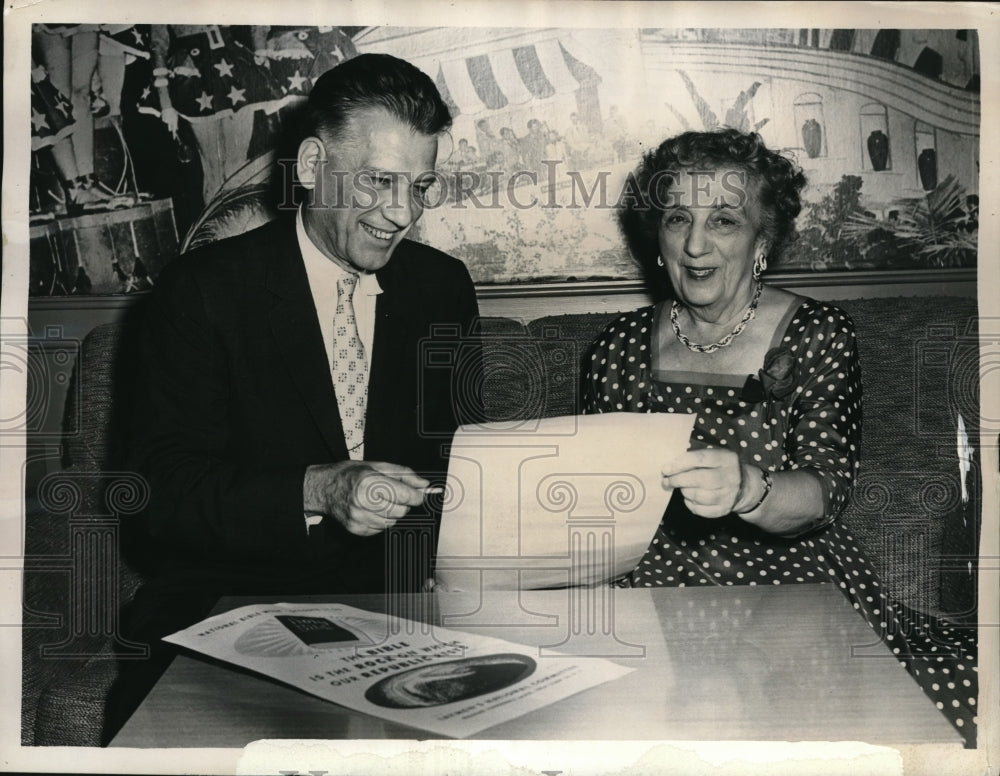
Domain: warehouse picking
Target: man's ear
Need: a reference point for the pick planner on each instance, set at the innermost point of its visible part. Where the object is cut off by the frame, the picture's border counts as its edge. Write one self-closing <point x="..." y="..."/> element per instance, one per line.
<point x="309" y="161"/>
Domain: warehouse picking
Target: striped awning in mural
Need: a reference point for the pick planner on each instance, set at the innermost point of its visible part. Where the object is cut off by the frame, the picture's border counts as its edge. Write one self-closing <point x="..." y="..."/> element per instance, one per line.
<point x="510" y="77"/>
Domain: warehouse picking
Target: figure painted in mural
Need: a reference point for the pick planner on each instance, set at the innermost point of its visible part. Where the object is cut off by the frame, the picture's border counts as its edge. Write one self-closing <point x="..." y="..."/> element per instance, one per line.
<point x="293" y="407"/>
<point x="510" y="147"/>
<point x="579" y="143"/>
<point x="119" y="45"/>
<point x="774" y="380"/>
<point x="467" y="156"/>
<point x="555" y="147"/>
<point x="489" y="145"/>
<point x="533" y="147"/>
<point x="297" y="56"/>
<point x="203" y="75"/>
<point x="51" y="127"/>
<point x="617" y="132"/>
<point x="68" y="54"/>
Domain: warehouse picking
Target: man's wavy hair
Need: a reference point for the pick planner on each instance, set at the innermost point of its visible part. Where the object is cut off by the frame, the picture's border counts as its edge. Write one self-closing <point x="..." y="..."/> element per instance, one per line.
<point x="374" y="81"/>
<point x="773" y="180"/>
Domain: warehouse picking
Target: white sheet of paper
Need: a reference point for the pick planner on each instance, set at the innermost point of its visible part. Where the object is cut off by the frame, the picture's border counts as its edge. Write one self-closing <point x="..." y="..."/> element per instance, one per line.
<point x="445" y="681"/>
<point x="570" y="500"/>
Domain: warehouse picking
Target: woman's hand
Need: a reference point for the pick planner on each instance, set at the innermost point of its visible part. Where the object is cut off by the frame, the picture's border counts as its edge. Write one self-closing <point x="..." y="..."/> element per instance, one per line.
<point x="710" y="481"/>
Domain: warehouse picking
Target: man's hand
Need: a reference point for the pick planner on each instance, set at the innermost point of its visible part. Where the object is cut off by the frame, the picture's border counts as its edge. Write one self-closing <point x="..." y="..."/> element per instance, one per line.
<point x="366" y="497"/>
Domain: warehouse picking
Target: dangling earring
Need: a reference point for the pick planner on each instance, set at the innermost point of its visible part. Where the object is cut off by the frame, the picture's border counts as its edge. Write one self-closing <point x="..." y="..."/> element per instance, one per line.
<point x="659" y="261"/>
<point x="759" y="266"/>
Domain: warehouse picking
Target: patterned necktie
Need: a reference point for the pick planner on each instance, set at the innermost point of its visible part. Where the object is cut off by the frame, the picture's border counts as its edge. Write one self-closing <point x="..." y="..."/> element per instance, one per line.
<point x="350" y="369"/>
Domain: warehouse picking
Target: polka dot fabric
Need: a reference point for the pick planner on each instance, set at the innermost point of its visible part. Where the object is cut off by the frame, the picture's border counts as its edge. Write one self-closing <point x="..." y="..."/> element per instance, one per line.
<point x="816" y="427"/>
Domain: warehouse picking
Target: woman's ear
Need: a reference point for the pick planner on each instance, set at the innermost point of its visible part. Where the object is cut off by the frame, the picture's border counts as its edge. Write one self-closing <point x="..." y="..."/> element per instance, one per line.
<point x="309" y="162"/>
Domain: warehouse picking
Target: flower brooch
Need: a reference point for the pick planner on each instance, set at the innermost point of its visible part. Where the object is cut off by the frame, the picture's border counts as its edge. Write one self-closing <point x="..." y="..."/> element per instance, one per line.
<point x="774" y="381"/>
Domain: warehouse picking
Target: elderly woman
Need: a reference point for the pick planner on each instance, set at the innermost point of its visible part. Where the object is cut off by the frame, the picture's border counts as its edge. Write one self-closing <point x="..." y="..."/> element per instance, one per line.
<point x="774" y="380"/>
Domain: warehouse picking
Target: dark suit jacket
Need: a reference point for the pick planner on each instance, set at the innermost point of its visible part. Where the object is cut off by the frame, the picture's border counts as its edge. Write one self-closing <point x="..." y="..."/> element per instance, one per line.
<point x="239" y="400"/>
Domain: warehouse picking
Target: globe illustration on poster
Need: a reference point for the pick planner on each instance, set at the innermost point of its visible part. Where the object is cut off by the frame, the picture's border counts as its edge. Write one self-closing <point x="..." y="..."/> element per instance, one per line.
<point x="451" y="681"/>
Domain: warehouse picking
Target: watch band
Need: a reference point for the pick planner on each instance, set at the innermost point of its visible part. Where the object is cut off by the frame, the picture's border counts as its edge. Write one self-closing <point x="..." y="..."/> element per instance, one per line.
<point x="767" y="490"/>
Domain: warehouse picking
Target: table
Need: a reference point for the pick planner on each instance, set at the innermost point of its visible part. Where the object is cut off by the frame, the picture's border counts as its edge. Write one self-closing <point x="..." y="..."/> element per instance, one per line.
<point x="788" y="662"/>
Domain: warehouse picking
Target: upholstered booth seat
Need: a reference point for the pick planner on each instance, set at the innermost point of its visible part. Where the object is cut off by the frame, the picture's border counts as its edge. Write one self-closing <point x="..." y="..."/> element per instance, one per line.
<point x="919" y="359"/>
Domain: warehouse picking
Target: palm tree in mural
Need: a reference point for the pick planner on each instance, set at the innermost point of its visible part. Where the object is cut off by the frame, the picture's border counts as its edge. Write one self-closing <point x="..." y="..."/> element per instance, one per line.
<point x="736" y="116"/>
<point x="938" y="230"/>
<point x="242" y="203"/>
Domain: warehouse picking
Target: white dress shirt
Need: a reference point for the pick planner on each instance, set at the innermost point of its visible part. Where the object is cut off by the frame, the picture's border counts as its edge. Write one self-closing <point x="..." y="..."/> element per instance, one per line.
<point x="323" y="275"/>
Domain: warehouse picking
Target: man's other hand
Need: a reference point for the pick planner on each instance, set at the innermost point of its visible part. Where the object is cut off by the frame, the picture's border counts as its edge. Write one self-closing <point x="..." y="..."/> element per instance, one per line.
<point x="366" y="497"/>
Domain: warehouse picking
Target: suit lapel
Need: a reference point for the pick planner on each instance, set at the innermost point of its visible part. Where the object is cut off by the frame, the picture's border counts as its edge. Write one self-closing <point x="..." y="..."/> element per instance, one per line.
<point x="391" y="363"/>
<point x="299" y="339"/>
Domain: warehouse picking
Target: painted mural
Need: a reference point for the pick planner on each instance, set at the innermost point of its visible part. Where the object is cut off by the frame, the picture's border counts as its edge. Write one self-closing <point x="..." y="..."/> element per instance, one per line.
<point x="173" y="142"/>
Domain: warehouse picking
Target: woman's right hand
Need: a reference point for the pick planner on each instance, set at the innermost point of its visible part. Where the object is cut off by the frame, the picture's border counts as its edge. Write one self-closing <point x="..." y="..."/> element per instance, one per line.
<point x="710" y="481"/>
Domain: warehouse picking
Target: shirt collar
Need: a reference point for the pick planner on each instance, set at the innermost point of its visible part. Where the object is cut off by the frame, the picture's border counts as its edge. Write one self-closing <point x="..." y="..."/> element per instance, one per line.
<point x="317" y="262"/>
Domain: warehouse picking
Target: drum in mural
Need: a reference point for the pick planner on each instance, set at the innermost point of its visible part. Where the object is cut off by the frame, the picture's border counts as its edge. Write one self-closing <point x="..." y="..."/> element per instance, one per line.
<point x="114" y="252"/>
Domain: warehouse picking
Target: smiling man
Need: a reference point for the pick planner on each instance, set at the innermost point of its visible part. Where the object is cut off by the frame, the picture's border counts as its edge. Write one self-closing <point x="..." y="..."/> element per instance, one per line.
<point x="290" y="430"/>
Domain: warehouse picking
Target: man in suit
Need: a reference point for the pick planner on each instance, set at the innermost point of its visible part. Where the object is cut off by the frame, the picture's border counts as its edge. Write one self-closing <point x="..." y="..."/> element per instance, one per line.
<point x="293" y="425"/>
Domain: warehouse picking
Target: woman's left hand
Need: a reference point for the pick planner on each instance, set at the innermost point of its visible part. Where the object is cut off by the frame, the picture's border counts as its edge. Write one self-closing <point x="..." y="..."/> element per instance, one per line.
<point x="709" y="480"/>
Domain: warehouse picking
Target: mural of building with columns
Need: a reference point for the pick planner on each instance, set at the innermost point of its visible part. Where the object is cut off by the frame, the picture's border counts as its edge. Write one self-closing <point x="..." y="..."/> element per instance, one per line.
<point x="896" y="112"/>
<point x="548" y="124"/>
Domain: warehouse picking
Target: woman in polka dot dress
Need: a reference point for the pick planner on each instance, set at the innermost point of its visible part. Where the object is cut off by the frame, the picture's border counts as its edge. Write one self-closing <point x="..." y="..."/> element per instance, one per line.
<point x="773" y="456"/>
